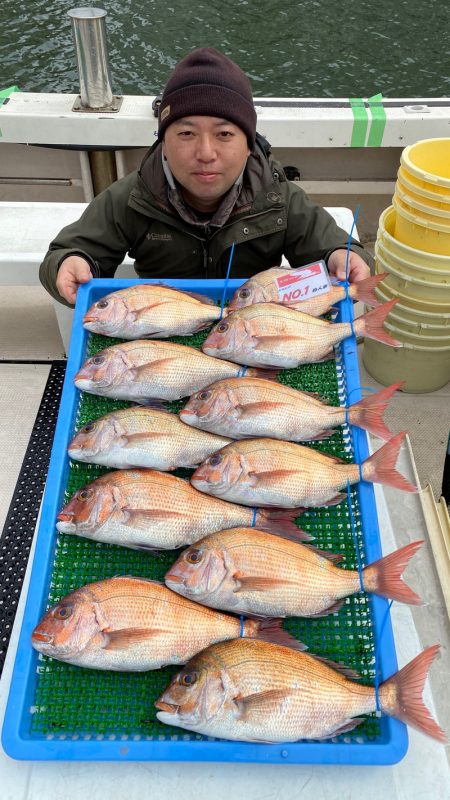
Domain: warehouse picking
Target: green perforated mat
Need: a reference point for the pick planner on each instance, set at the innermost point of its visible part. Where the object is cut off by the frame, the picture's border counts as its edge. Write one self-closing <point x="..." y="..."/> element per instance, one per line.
<point x="72" y="702"/>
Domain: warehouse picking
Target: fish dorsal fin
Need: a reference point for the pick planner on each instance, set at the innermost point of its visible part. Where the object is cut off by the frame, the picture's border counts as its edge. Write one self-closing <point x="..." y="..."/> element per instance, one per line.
<point x="335" y="558"/>
<point x="348" y="672"/>
<point x="200" y="297"/>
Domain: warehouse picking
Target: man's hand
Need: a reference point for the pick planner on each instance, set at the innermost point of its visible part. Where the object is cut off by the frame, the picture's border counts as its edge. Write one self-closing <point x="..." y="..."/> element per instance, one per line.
<point x="73" y="271"/>
<point x="357" y="267"/>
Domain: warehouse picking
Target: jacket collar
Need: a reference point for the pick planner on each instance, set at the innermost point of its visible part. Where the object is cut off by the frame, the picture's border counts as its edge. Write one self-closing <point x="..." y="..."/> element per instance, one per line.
<point x="257" y="176"/>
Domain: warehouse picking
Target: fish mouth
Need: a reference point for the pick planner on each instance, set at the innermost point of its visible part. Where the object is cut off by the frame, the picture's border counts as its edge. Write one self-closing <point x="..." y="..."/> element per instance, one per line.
<point x="77" y="453"/>
<point x="42" y="638"/>
<point x="187" y="412"/>
<point x="66" y="527"/>
<point x="169" y="708"/>
<point x="84" y="383"/>
<point x="171" y="578"/>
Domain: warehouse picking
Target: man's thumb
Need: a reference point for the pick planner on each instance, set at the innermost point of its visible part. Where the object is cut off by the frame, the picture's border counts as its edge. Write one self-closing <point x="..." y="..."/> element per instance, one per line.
<point x="84" y="275"/>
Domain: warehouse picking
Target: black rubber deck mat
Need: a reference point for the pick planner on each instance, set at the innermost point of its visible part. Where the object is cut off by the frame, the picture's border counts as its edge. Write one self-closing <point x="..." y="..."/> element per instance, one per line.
<point x="17" y="535"/>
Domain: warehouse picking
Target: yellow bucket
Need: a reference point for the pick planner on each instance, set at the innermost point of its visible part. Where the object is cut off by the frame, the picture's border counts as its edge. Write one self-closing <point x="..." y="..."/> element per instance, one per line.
<point x="413" y="304"/>
<point x="434" y="324"/>
<point x="412" y="287"/>
<point x="411" y="254"/>
<point x="400" y="331"/>
<point x="423" y="369"/>
<point x="422" y="205"/>
<point x="404" y="267"/>
<point x="415" y="231"/>
<point x="433" y="197"/>
<point x="428" y="164"/>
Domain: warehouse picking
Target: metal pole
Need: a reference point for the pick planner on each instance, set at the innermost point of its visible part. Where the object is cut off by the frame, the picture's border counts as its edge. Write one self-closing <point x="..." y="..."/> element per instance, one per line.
<point x="89" y="33"/>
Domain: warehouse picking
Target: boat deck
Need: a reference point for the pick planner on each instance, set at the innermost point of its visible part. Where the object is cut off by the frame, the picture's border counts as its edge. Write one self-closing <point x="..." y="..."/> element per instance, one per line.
<point x="30" y="343"/>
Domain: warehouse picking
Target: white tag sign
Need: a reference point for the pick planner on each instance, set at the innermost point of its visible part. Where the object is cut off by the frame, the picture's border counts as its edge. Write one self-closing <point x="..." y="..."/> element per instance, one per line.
<point x="303" y="283"/>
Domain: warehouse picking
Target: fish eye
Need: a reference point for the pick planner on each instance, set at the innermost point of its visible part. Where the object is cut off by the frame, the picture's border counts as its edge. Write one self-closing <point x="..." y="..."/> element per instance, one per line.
<point x="103" y="304"/>
<point x="194" y="556"/>
<point x="204" y="395"/>
<point x="244" y="294"/>
<point x="188" y="678"/>
<point x="215" y="459"/>
<point x="223" y="327"/>
<point x="85" y="494"/>
<point x="98" y="360"/>
<point x="89" y="427"/>
<point x="63" y="612"/>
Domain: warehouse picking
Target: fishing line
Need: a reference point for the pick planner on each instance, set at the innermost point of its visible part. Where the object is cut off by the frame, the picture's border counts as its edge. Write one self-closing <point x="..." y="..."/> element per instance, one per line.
<point x="227" y="278"/>
<point x="358" y="461"/>
<point x="377" y="663"/>
<point x="255" y="511"/>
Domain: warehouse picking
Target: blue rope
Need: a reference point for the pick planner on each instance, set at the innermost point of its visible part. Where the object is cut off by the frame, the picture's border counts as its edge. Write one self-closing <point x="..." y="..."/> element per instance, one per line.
<point x="241" y="373"/>
<point x="255" y="511"/>
<point x="241" y="629"/>
<point x="225" y="287"/>
<point x="349" y="243"/>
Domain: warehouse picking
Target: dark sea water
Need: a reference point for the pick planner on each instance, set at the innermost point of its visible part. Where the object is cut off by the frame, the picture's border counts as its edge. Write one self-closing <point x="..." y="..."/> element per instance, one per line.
<point x="312" y="48"/>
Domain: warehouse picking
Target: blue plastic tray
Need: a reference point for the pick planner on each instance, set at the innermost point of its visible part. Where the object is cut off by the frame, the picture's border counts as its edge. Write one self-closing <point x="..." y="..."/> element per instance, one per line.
<point x="17" y="740"/>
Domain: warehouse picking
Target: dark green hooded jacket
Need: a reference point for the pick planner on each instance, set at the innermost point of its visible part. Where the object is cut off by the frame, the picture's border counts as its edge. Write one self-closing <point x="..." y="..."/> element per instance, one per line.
<point x="272" y="217"/>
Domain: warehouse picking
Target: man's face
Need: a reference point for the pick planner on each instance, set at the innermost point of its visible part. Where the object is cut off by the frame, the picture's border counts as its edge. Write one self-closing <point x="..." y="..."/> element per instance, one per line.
<point x="206" y="155"/>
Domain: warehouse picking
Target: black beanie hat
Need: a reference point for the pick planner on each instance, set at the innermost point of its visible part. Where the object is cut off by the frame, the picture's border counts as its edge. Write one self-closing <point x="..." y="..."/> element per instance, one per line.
<point x="208" y="83"/>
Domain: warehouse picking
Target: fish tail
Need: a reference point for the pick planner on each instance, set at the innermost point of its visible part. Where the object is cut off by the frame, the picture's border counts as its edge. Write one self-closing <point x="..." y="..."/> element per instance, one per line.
<point x="383" y="577"/>
<point x="380" y="468"/>
<point x="364" y="290"/>
<point x="270" y="630"/>
<point x="401" y="695"/>
<point x="370" y="325"/>
<point x="280" y="521"/>
<point x="368" y="413"/>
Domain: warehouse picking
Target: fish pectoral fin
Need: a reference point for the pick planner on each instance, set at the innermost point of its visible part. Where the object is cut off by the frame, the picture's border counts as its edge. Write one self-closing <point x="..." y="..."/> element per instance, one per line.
<point x="255" y="409"/>
<point x="260" y="478"/>
<point x="133" y="439"/>
<point x="150" y="368"/>
<point x="126" y="637"/>
<point x="260" y="702"/>
<point x="330" y="610"/>
<point x="263" y="342"/>
<point x="143" y="517"/>
<point x="257" y="583"/>
<point x="344" y="728"/>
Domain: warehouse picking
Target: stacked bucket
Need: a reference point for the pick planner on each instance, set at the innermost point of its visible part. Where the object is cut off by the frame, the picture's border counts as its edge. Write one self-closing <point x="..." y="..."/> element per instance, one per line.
<point x="413" y="247"/>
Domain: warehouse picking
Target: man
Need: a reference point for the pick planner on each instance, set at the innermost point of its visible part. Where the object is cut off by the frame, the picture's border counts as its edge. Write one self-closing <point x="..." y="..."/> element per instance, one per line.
<point x="208" y="182"/>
